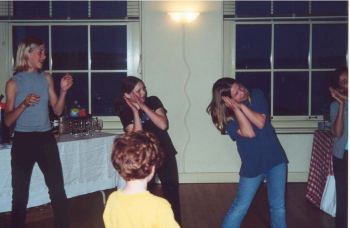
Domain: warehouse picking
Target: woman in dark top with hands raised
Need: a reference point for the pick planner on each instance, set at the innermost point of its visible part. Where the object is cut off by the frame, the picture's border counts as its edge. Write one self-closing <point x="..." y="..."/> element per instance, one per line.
<point x="138" y="112"/>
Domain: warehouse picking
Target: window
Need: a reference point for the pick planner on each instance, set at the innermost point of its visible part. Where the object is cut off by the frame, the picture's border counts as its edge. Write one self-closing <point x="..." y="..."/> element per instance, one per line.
<point x="253" y="50"/>
<point x="69" y="47"/>
<point x="329" y="8"/>
<point x="329" y="45"/>
<point x="97" y="53"/>
<point x="253" y="8"/>
<point x="31" y="9"/>
<point x="69" y="9"/>
<point x="290" y="54"/>
<point x="290" y="8"/>
<point x="108" y="9"/>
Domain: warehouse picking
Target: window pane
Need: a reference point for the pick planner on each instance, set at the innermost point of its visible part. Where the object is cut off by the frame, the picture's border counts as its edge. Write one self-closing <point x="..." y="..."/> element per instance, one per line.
<point x="78" y="92"/>
<point x="105" y="88"/>
<point x="109" y="9"/>
<point x="291" y="93"/>
<point x="69" y="9"/>
<point x="329" y="45"/>
<point x="253" y="46"/>
<point x="290" y="8"/>
<point x="31" y="9"/>
<point x="259" y="80"/>
<point x="329" y="8"/>
<point x="108" y="47"/>
<point x="253" y="8"/>
<point x="320" y="98"/>
<point x="287" y="38"/>
<point x="21" y="32"/>
<point x="69" y="48"/>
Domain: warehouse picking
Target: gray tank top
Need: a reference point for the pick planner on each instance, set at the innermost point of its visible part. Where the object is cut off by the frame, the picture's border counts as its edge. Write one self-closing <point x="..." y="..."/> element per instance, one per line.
<point x="34" y="118"/>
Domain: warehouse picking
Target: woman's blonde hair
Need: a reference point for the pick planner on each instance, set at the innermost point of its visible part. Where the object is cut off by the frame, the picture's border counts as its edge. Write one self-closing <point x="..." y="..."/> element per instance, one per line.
<point x="24" y="48"/>
<point x="219" y="113"/>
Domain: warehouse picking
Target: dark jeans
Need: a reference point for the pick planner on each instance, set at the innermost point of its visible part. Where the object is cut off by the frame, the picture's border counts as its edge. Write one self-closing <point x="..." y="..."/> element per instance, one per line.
<point x="168" y="175"/>
<point x="340" y="167"/>
<point x="29" y="148"/>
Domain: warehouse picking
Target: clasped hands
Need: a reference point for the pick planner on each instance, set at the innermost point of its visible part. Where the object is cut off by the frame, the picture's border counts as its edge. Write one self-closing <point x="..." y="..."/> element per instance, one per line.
<point x="338" y="95"/>
<point x="231" y="103"/>
<point x="133" y="101"/>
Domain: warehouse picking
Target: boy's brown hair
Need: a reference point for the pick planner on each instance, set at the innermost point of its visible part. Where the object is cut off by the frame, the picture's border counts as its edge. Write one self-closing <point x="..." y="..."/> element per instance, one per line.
<point x="135" y="153"/>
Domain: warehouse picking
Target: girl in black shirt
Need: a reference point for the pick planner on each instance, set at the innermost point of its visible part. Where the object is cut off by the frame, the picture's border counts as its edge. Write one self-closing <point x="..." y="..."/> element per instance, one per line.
<point x="138" y="112"/>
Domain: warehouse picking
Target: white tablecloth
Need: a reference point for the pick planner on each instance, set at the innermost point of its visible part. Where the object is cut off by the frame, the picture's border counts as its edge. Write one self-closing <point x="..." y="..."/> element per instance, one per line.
<point x="86" y="168"/>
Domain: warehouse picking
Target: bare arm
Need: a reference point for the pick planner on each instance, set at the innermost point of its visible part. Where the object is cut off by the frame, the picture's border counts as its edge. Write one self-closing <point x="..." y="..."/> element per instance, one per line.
<point x="245" y="127"/>
<point x="256" y="118"/>
<point x="136" y="125"/>
<point x="12" y="113"/>
<point x="58" y="103"/>
<point x="337" y="128"/>
<point x="158" y="117"/>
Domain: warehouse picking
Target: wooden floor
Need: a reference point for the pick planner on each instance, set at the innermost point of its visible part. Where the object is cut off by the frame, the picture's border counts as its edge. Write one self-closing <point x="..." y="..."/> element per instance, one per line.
<point x="203" y="206"/>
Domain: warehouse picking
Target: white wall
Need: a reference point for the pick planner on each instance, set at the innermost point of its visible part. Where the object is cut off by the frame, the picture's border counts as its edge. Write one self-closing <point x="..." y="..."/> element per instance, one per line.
<point x="203" y="154"/>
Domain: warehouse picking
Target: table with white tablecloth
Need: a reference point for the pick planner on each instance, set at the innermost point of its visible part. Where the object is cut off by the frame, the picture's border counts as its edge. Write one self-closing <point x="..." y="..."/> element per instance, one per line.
<point x="86" y="168"/>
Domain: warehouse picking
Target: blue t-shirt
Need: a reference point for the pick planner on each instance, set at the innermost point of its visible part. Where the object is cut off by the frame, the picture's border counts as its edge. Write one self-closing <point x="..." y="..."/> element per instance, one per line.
<point x="264" y="151"/>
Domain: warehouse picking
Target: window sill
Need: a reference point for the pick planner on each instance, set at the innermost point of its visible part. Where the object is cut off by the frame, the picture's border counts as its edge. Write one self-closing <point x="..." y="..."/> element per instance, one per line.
<point x="295" y="126"/>
<point x="112" y="124"/>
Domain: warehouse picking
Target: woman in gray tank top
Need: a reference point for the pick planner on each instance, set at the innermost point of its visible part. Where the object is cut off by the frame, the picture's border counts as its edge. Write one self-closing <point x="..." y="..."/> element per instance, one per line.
<point x="28" y="94"/>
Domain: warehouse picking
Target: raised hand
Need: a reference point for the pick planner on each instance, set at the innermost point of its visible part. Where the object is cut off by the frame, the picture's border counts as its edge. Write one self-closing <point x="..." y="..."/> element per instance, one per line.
<point x="131" y="102"/>
<point x="230" y="103"/>
<point x="337" y="95"/>
<point x="140" y="103"/>
<point x="66" y="82"/>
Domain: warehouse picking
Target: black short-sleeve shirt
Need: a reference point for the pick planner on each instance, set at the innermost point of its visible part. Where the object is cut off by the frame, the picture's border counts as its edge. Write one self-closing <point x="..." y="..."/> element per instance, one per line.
<point x="126" y="117"/>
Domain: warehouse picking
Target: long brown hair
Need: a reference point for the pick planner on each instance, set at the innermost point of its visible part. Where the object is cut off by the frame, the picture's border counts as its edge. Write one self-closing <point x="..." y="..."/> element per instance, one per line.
<point x="128" y="84"/>
<point x="219" y="113"/>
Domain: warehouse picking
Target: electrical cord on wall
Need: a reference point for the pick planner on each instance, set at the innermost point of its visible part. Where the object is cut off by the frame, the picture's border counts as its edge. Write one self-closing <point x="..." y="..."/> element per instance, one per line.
<point x="186" y="95"/>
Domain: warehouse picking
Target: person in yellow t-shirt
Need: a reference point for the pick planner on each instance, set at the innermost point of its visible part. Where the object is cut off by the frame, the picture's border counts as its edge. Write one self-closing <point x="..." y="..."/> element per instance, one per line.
<point x="135" y="156"/>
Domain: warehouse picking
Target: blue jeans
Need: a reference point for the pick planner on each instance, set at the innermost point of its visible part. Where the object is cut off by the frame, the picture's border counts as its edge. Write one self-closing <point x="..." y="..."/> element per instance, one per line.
<point x="276" y="182"/>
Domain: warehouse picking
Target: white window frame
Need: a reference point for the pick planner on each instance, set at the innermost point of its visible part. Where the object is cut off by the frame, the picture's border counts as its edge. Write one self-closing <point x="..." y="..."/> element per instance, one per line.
<point x="282" y="124"/>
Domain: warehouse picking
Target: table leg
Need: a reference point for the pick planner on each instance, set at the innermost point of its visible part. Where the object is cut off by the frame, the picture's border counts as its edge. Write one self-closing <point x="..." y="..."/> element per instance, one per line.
<point x="103" y="196"/>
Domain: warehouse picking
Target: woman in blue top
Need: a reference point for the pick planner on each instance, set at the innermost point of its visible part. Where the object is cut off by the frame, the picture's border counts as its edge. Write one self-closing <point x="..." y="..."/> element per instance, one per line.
<point x="339" y="119"/>
<point x="28" y="94"/>
<point x="244" y="116"/>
